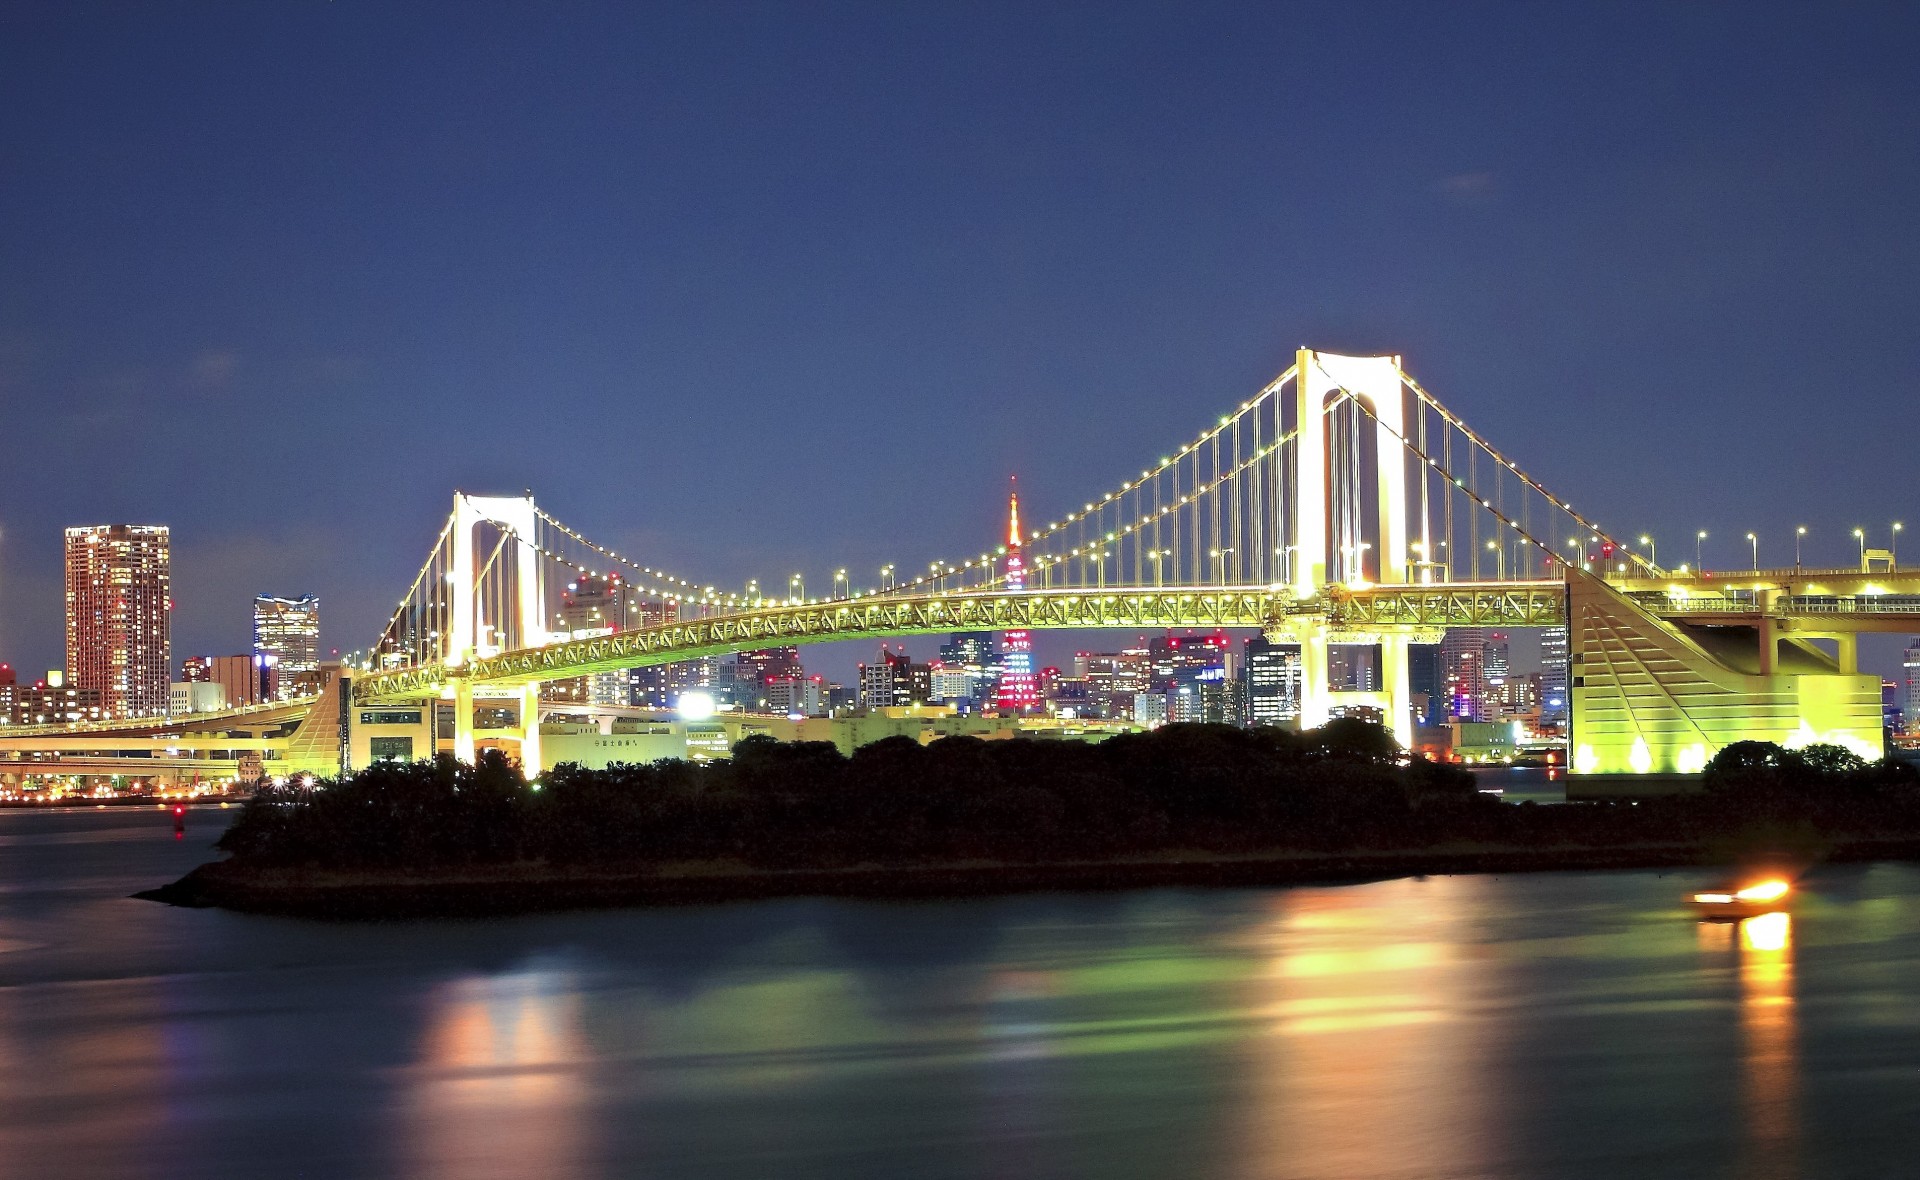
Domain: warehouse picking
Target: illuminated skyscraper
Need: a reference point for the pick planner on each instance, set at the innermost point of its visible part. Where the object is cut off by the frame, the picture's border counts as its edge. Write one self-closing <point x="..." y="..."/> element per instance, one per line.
<point x="119" y="629"/>
<point x="1553" y="673"/>
<point x="1019" y="690"/>
<point x="1272" y="673"/>
<point x="289" y="630"/>
<point x="1462" y="672"/>
<point x="1912" y="669"/>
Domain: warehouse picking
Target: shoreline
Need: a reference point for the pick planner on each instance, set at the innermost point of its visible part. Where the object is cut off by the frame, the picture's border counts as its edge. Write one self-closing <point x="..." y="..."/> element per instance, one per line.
<point x="494" y="891"/>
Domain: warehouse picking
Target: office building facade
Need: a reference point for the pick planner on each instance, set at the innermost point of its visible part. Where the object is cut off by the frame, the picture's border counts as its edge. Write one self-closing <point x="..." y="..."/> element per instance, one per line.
<point x="288" y="629"/>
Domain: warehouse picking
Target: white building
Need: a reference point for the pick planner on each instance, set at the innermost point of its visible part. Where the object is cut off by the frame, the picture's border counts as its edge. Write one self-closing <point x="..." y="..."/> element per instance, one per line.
<point x="191" y="696"/>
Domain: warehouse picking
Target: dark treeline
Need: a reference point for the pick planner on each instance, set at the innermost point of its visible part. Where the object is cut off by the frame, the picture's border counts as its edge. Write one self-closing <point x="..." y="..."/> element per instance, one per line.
<point x="1199" y="788"/>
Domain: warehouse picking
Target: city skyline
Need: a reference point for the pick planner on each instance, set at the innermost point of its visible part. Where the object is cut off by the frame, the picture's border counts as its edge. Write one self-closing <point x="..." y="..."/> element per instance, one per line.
<point x="289" y="278"/>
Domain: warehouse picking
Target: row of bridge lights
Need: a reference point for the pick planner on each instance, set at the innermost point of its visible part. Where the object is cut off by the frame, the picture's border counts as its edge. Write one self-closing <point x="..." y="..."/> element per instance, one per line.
<point x="1799" y="535"/>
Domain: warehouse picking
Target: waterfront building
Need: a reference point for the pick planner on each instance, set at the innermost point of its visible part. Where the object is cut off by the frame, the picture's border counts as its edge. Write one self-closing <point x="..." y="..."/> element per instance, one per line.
<point x="288" y="629"/>
<point x="1019" y="691"/>
<point x="119" y="616"/>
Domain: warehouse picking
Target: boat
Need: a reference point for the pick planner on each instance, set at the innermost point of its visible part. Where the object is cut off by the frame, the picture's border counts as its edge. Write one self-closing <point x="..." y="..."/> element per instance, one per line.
<point x="1730" y="903"/>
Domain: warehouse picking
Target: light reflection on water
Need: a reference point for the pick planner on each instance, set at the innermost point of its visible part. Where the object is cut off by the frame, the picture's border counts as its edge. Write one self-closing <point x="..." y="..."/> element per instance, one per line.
<point x="1565" y="1025"/>
<point x="499" y="1088"/>
<point x="1770" y="1062"/>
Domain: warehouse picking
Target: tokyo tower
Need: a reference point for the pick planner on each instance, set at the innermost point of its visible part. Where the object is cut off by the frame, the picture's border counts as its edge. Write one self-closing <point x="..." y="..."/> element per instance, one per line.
<point x="1019" y="691"/>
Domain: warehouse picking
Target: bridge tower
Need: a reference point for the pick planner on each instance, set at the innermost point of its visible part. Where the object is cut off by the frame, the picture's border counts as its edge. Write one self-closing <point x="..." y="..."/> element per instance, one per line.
<point x="518" y="519"/>
<point x="1320" y="538"/>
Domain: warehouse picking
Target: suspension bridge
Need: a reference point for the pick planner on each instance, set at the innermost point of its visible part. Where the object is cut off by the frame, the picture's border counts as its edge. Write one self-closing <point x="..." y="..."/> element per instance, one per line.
<point x="1342" y="503"/>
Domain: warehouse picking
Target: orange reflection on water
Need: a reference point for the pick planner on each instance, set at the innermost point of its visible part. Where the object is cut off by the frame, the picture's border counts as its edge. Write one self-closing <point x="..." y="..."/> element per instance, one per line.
<point x="1771" y="1068"/>
<point x="1375" y="1055"/>
<point x="499" y="1091"/>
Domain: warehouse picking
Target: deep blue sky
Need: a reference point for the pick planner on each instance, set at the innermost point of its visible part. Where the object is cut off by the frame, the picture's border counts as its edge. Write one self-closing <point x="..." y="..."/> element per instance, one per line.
<point x="751" y="288"/>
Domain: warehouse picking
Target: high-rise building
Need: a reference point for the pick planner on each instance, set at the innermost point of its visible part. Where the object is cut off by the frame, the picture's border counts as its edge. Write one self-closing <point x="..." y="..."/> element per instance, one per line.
<point x="1271" y="672"/>
<point x="1912" y="669"/>
<point x="1178" y="659"/>
<point x="1353" y="667"/>
<point x="119" y="625"/>
<point x="754" y="670"/>
<point x="243" y="679"/>
<point x="1424" y="682"/>
<point x="1462" y="656"/>
<point x="1554" y="702"/>
<point x="651" y="686"/>
<point x="1495" y="664"/>
<point x="1114" y="679"/>
<point x="973" y="654"/>
<point x="948" y="685"/>
<point x="804" y="695"/>
<point x="889" y="682"/>
<point x="1019" y="690"/>
<point x="593" y="605"/>
<point x="288" y="629"/>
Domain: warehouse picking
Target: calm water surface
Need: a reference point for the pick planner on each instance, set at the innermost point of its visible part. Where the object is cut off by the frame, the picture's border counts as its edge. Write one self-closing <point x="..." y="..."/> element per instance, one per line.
<point x="1553" y="1025"/>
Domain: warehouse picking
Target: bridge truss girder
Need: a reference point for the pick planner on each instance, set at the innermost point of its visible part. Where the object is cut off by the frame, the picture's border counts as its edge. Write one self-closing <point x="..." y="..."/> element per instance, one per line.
<point x="1419" y="609"/>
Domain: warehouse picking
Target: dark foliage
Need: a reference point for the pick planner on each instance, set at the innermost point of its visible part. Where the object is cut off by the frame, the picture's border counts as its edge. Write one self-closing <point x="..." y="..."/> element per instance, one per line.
<point x="1199" y="788"/>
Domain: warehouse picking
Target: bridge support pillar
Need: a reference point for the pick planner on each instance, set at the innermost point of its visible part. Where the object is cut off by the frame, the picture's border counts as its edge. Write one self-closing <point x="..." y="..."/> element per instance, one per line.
<point x="1316" y="700"/>
<point x="1397" y="687"/>
<point x="463" y="748"/>
<point x="530" y="730"/>
<point x="1847" y="653"/>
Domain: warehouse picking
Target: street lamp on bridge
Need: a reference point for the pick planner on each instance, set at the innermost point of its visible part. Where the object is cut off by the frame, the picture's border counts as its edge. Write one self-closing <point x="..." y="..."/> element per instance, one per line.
<point x="1893" y="546"/>
<point x="798" y="584"/>
<point x="1755" y="542"/>
<point x="1653" y="551"/>
<point x="839" y="580"/>
<point x="1860" y="535"/>
<point x="1798" y="533"/>
<point x="1499" y="560"/>
<point x="1698" y="564"/>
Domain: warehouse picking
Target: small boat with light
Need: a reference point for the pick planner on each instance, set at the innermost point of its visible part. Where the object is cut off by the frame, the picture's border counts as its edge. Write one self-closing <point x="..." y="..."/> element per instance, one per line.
<point x="1728" y="904"/>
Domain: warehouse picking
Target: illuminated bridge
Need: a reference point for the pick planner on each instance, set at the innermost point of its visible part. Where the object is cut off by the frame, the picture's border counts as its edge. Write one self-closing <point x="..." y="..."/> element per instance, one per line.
<point x="1341" y="503"/>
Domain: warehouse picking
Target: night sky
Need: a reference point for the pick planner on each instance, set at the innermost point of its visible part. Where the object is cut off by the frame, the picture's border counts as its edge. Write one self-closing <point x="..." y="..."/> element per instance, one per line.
<point x="750" y="289"/>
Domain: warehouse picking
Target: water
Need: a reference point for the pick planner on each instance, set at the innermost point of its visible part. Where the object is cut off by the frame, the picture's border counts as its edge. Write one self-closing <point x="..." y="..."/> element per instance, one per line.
<point x="1552" y="1025"/>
